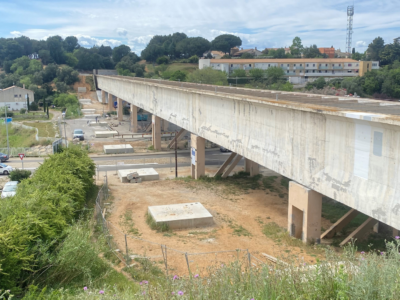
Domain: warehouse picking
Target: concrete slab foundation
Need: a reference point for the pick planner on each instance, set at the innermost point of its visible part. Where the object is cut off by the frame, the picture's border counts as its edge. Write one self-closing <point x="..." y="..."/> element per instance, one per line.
<point x="145" y="174"/>
<point x="179" y="216"/>
<point x="85" y="101"/>
<point x="102" y="124"/>
<point x="115" y="149"/>
<point x="105" y="134"/>
<point x="92" y="116"/>
<point x="304" y="215"/>
<point x="88" y="110"/>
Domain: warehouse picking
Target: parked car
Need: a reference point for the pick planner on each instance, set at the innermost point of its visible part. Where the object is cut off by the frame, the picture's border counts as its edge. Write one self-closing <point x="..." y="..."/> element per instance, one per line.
<point x="222" y="149"/>
<point x="5" y="170"/>
<point x="3" y="157"/>
<point x="9" y="189"/>
<point x="79" y="134"/>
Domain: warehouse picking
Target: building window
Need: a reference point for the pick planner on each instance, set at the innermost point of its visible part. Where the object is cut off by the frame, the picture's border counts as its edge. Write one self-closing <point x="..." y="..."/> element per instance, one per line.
<point x="287" y="71"/>
<point x="20" y="95"/>
<point x="320" y="71"/>
<point x="313" y="65"/>
<point x="306" y="71"/>
<point x="326" y="65"/>
<point x="294" y="65"/>
<point x="301" y="65"/>
<point x="326" y="71"/>
<point x="356" y="65"/>
<point x="15" y="96"/>
<point x="269" y="65"/>
<point x="307" y="65"/>
<point x="288" y="65"/>
<point x="231" y="66"/>
<point x="333" y="65"/>
<point x="340" y="65"/>
<point x="349" y="65"/>
<point x="249" y="65"/>
<point x="313" y="71"/>
<point x="281" y="65"/>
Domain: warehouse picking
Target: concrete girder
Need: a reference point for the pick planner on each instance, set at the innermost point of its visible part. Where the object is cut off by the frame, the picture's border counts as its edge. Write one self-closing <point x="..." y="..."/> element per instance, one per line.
<point x="232" y="165"/>
<point x="360" y="231"/>
<point x="340" y="224"/>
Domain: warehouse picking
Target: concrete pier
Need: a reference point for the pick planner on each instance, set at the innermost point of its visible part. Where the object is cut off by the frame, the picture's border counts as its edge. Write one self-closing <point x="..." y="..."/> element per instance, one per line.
<point x="110" y="102"/>
<point x="116" y="149"/>
<point x="304" y="215"/>
<point x="134" y="124"/>
<point x="198" y="155"/>
<point x="120" y="111"/>
<point x="251" y="167"/>
<point x="156" y="132"/>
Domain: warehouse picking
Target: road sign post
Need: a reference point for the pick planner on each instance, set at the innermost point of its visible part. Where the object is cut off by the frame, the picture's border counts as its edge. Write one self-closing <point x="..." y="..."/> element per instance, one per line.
<point x="21" y="156"/>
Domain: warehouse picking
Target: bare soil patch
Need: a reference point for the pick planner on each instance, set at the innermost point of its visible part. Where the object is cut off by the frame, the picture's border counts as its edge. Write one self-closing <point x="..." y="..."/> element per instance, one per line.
<point x="240" y="214"/>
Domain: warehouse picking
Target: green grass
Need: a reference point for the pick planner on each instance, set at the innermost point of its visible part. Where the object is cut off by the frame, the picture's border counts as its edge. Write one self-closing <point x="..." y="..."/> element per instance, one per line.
<point x="46" y="129"/>
<point x="18" y="136"/>
<point x="145" y="269"/>
<point x="188" y="68"/>
<point x="153" y="225"/>
<point x="128" y="224"/>
<point x="239" y="230"/>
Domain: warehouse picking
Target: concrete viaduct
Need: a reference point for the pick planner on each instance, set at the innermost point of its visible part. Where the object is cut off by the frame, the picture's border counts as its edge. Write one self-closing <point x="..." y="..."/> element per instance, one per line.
<point x="345" y="148"/>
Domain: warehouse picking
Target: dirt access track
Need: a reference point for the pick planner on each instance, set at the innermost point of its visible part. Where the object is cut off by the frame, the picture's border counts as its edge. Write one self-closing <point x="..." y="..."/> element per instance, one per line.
<point x="240" y="215"/>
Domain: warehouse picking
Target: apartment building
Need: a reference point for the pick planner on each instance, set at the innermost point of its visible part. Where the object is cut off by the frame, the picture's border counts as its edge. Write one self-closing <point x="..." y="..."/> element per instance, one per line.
<point x="298" y="70"/>
<point x="15" y="97"/>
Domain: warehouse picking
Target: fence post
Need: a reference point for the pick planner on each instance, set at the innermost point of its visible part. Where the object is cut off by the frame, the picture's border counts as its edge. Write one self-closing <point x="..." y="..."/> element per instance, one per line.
<point x="248" y="255"/>
<point x="127" y="253"/>
<point x="187" y="262"/>
<point x="164" y="252"/>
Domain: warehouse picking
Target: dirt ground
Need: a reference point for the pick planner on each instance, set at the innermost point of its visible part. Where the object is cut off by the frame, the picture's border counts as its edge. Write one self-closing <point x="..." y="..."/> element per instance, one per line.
<point x="239" y="218"/>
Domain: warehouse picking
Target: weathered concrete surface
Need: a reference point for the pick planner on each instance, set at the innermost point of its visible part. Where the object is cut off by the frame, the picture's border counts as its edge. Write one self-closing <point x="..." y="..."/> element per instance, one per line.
<point x="115" y="149"/>
<point x="88" y="110"/>
<point x="91" y="116"/>
<point x="178" y="216"/>
<point x="104" y="134"/>
<point x="103" y="124"/>
<point x="346" y="155"/>
<point x="145" y="174"/>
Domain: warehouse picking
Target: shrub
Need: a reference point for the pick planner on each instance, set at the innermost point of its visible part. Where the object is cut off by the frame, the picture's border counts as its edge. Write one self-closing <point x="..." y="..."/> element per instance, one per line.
<point x="194" y="59"/>
<point x="33" y="106"/>
<point x="162" y="60"/>
<point x="178" y="76"/>
<point x="19" y="175"/>
<point x="22" y="111"/>
<point x="208" y="76"/>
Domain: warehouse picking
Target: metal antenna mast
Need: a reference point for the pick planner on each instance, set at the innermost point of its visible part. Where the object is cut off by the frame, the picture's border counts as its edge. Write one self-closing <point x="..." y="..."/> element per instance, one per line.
<point x="349" y="34"/>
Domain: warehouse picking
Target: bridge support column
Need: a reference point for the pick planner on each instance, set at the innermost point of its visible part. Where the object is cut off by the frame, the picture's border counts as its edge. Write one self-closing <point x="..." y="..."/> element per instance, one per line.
<point x="304" y="215"/>
<point x="199" y="152"/>
<point x="156" y="132"/>
<point x="103" y="96"/>
<point x="396" y="232"/>
<point x="110" y="102"/>
<point x="225" y="164"/>
<point x="251" y="167"/>
<point x="164" y="125"/>
<point x="134" y="125"/>
<point x="120" y="109"/>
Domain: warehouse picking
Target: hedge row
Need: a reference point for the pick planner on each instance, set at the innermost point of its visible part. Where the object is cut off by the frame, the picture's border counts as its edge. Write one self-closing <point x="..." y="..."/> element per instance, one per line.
<point x="36" y="219"/>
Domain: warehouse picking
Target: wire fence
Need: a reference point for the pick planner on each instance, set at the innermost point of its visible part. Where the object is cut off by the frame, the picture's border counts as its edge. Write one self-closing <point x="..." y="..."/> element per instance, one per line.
<point x="130" y="248"/>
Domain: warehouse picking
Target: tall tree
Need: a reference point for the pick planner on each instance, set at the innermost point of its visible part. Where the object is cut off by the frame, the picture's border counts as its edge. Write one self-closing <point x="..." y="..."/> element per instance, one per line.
<point x="297" y="47"/>
<point x="225" y="42"/>
<point x="55" y="45"/>
<point x="105" y="51"/>
<point x="119" y="52"/>
<point x="375" y="48"/>
<point x="311" y="52"/>
<point x="193" y="46"/>
<point x="70" y="43"/>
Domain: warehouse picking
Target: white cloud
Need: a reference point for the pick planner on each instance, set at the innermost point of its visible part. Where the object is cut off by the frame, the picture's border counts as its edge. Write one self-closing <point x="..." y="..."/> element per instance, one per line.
<point x="88" y="41"/>
<point x="16" y="33"/>
<point x="122" y="31"/>
<point x="258" y="23"/>
<point x="361" y="44"/>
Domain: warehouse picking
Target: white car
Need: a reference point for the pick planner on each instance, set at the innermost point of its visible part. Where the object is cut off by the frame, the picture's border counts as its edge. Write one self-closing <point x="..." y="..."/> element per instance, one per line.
<point x="5" y="170"/>
<point x="9" y="189"/>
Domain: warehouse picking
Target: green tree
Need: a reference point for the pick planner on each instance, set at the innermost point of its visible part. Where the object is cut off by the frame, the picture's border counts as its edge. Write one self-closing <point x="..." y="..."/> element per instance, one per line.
<point x="70" y="43"/>
<point x="375" y="48"/>
<point x="238" y="73"/>
<point x="178" y="76"/>
<point x="67" y="75"/>
<point x="208" y="76"/>
<point x="257" y="74"/>
<point x="389" y="54"/>
<point x="311" y="52"/>
<point x="105" y="51"/>
<point x="119" y="52"/>
<point x="247" y="56"/>
<point x="71" y="60"/>
<point x="274" y="75"/>
<point x="194" y="59"/>
<point x="45" y="56"/>
<point x="193" y="46"/>
<point x="49" y="73"/>
<point x="297" y="47"/>
<point x="162" y="60"/>
<point x="61" y="87"/>
<point x="357" y="56"/>
<point x="64" y="100"/>
<point x="55" y="45"/>
<point x="225" y="42"/>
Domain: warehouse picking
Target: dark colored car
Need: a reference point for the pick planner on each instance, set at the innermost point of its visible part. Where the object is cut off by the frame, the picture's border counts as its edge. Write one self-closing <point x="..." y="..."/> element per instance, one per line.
<point x="222" y="149"/>
<point x="3" y="157"/>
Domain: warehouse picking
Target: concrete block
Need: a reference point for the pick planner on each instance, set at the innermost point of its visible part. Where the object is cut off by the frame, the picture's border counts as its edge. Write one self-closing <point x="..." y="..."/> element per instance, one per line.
<point x="88" y="110"/>
<point x="185" y="215"/>
<point x="81" y="89"/>
<point x="85" y="101"/>
<point x="102" y="124"/>
<point x="115" y="149"/>
<point x="92" y="116"/>
<point x="145" y="174"/>
<point x="105" y="134"/>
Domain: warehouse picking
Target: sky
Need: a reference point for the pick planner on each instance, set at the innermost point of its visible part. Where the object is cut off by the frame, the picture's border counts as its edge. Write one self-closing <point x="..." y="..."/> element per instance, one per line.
<point x="261" y="24"/>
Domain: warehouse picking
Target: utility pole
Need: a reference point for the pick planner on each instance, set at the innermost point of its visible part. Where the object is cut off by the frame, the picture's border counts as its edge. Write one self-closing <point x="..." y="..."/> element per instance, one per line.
<point x="65" y="133"/>
<point x="176" y="156"/>
<point x="8" y="143"/>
